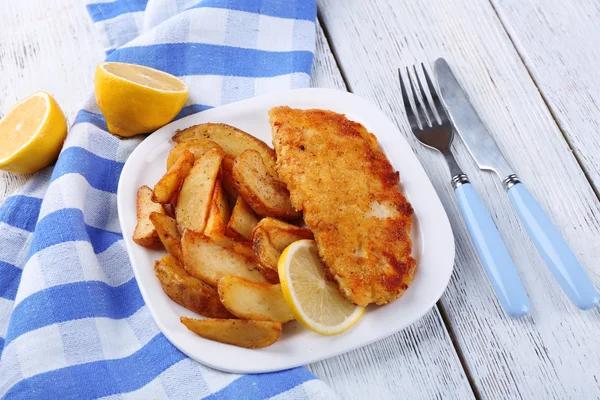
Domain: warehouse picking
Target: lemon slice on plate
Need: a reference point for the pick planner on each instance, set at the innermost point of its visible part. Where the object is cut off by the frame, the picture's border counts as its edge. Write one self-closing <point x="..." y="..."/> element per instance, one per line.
<point x="314" y="300"/>
<point x="135" y="99"/>
<point x="31" y="134"/>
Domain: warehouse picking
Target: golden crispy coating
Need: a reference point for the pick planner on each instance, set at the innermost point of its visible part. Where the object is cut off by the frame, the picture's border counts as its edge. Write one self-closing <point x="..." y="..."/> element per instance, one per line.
<point x="348" y="191"/>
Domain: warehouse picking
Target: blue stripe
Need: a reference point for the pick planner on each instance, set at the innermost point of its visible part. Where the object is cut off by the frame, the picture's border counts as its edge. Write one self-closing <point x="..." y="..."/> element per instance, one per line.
<point x="303" y="9"/>
<point x="21" y="212"/>
<point x="263" y="386"/>
<point x="67" y="225"/>
<point x="192" y="109"/>
<point x="1" y="345"/>
<point x="184" y="59"/>
<point x="95" y="119"/>
<point x="89" y="299"/>
<point x="10" y="276"/>
<point x="102" y="11"/>
<point x="101" y="173"/>
<point x="101" y="378"/>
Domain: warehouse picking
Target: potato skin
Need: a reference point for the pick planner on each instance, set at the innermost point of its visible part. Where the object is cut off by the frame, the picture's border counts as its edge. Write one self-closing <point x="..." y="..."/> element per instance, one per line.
<point x="166" y="227"/>
<point x="242" y="333"/>
<point x="242" y="221"/>
<point x="145" y="234"/>
<point x="188" y="291"/>
<point x="167" y="188"/>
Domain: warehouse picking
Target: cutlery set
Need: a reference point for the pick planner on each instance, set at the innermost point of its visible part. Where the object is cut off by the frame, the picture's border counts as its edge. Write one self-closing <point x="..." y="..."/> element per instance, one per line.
<point x="456" y="114"/>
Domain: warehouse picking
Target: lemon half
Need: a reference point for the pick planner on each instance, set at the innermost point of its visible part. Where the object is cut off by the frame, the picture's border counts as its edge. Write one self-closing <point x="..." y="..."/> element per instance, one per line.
<point x="315" y="301"/>
<point x="135" y="99"/>
<point x="31" y="134"/>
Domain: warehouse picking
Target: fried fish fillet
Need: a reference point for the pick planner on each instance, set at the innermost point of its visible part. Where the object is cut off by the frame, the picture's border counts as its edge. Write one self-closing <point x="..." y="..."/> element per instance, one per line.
<point x="348" y="191"/>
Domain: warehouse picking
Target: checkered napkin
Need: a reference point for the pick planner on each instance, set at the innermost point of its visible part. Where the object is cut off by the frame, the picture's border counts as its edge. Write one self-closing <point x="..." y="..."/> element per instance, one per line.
<point x="72" y="321"/>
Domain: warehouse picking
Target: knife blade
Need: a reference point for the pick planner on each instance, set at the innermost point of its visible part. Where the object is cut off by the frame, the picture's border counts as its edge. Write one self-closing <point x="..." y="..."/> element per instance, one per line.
<point x="467" y="123"/>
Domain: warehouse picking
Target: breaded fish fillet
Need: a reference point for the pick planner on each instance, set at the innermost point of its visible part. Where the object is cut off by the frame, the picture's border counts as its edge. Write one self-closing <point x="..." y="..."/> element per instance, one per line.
<point x="348" y="191"/>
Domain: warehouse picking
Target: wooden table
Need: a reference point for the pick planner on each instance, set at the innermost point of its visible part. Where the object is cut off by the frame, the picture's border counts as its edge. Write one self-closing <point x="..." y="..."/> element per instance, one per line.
<point x="531" y="68"/>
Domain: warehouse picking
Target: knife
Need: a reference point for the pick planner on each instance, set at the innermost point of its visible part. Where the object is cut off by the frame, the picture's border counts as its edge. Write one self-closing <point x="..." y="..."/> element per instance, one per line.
<point x="553" y="248"/>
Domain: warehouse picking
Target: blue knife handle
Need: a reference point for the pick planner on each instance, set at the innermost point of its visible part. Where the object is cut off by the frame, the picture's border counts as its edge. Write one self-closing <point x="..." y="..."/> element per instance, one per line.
<point x="492" y="252"/>
<point x="556" y="253"/>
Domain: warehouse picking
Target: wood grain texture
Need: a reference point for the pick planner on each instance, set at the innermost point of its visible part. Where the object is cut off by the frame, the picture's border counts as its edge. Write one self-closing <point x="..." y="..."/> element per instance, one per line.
<point x="558" y="42"/>
<point x="45" y="45"/>
<point x="555" y="352"/>
<point x="417" y="363"/>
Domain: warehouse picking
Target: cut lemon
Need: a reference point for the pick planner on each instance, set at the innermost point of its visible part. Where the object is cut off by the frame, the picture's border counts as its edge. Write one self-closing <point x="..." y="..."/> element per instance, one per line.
<point x="314" y="300"/>
<point x="31" y="134"/>
<point x="135" y="99"/>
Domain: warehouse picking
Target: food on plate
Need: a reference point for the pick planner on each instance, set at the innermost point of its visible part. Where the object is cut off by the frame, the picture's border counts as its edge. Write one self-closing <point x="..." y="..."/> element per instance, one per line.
<point x="209" y="261"/>
<point x="269" y="238"/>
<point x="166" y="227"/>
<point x="313" y="298"/>
<point x="242" y="221"/>
<point x="266" y="195"/>
<point x="145" y="233"/>
<point x="242" y="333"/>
<point x="253" y="300"/>
<point x="227" y="176"/>
<point x="198" y="147"/>
<point x="197" y="190"/>
<point x="219" y="213"/>
<point x="188" y="291"/>
<point x="135" y="99"/>
<point x="234" y="141"/>
<point x="349" y="195"/>
<point x="31" y="134"/>
<point x="170" y="183"/>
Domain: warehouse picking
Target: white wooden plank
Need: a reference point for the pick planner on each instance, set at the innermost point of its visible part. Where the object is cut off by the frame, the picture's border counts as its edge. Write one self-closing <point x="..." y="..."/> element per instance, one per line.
<point x="558" y="42"/>
<point x="417" y="363"/>
<point x="45" y="45"/>
<point x="554" y="353"/>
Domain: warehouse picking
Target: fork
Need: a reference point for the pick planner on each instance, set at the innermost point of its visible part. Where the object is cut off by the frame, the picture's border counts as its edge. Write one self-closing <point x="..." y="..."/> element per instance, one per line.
<point x="490" y="247"/>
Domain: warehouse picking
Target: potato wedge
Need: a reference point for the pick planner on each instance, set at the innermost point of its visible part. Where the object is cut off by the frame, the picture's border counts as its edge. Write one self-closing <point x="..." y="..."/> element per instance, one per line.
<point x="234" y="141"/>
<point x="188" y="291"/>
<point x="254" y="300"/>
<point x="266" y="195"/>
<point x="242" y="333"/>
<point x="198" y="147"/>
<point x="208" y="261"/>
<point x="166" y="227"/>
<point x="145" y="234"/>
<point x="197" y="191"/>
<point x="269" y="238"/>
<point x="168" y="186"/>
<point x="219" y="213"/>
<point x="227" y="176"/>
<point x="242" y="221"/>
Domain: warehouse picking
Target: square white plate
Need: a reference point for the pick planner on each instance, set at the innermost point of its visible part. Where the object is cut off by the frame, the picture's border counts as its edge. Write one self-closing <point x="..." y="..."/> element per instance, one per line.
<point x="432" y="237"/>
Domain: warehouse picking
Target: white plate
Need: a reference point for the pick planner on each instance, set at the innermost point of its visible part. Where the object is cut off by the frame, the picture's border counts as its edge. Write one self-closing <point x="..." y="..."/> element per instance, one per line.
<point x="432" y="236"/>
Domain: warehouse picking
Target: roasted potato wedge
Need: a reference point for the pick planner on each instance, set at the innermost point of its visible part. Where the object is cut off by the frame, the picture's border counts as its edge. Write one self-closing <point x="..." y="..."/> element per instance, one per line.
<point x="145" y="234"/>
<point x="170" y="183"/>
<point x="227" y="176"/>
<point x="188" y="291"/>
<point x="242" y="221"/>
<point x="234" y="141"/>
<point x="269" y="238"/>
<point x="198" y="147"/>
<point x="166" y="227"/>
<point x="266" y="195"/>
<point x="242" y="333"/>
<point x="207" y="260"/>
<point x="219" y="213"/>
<point x="197" y="191"/>
<point x="254" y="300"/>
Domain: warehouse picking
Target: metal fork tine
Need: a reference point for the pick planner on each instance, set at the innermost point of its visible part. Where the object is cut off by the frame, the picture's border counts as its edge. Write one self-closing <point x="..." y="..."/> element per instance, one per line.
<point x="421" y="113"/>
<point x="426" y="103"/>
<point x="410" y="113"/>
<point x="434" y="96"/>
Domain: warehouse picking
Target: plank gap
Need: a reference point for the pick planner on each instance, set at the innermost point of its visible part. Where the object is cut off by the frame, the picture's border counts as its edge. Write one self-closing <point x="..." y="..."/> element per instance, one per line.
<point x="332" y="49"/>
<point x="572" y="147"/>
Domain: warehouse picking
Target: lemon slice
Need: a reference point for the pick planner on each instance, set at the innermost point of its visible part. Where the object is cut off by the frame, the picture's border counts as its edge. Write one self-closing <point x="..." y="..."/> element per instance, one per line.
<point x="135" y="99"/>
<point x="314" y="300"/>
<point x="31" y="134"/>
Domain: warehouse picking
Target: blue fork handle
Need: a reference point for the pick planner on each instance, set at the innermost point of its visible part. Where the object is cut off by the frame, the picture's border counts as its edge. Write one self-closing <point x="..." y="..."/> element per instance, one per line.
<point x="492" y="252"/>
<point x="554" y="250"/>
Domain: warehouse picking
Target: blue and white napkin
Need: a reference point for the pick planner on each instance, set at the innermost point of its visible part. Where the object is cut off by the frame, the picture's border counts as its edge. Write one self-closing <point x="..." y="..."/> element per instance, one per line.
<point x="72" y="321"/>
